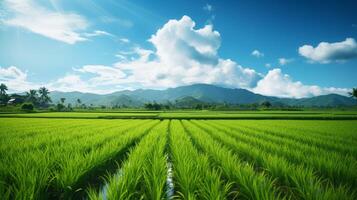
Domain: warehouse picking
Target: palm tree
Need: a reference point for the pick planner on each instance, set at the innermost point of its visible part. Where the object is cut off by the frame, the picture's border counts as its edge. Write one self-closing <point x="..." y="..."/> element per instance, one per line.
<point x="3" y="89"/>
<point x="79" y="102"/>
<point x="32" y="96"/>
<point x="44" y="98"/>
<point x="353" y="93"/>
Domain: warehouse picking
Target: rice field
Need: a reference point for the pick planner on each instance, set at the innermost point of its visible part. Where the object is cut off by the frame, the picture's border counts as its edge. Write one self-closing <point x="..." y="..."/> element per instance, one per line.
<point x="177" y="159"/>
<point x="191" y="114"/>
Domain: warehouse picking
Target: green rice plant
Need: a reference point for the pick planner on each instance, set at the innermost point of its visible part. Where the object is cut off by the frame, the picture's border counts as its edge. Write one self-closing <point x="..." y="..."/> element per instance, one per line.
<point x="28" y="174"/>
<point x="303" y="137"/>
<point x="251" y="185"/>
<point x="41" y="138"/>
<point x="97" y="154"/>
<point x="192" y="173"/>
<point x="128" y="184"/>
<point x="340" y="131"/>
<point x="59" y="158"/>
<point x="301" y="178"/>
<point x="154" y="173"/>
<point x="336" y="168"/>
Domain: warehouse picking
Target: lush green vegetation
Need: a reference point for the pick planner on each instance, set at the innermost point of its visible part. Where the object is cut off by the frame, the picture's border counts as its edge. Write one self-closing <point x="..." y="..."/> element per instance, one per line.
<point x="328" y="114"/>
<point x="194" y="97"/>
<point x="184" y="159"/>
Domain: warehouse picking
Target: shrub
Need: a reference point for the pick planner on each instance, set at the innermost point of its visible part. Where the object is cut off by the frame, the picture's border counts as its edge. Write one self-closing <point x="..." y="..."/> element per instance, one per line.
<point x="60" y="107"/>
<point x="27" y="107"/>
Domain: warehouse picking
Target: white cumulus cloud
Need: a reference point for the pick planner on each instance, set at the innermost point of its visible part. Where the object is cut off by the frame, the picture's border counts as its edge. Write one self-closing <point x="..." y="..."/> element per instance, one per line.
<point x="105" y="75"/>
<point x="66" y="27"/>
<point x="275" y="83"/>
<point x="257" y="53"/>
<point x="284" y="61"/>
<point x="183" y="54"/>
<point x="327" y="52"/>
<point x="15" y="79"/>
<point x="74" y="82"/>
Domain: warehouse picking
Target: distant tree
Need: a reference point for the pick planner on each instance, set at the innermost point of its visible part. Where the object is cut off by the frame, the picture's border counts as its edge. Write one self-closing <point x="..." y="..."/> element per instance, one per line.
<point x="148" y="106"/>
<point x="32" y="96"/>
<point x="198" y="106"/>
<point x="3" y="96"/>
<point x="27" y="107"/>
<point x="62" y="100"/>
<point x="3" y="89"/>
<point x="60" y="107"/>
<point x="44" y="98"/>
<point x="353" y="93"/>
<point x="69" y="107"/>
<point x="266" y="104"/>
<point x="79" y="103"/>
<point x="156" y="106"/>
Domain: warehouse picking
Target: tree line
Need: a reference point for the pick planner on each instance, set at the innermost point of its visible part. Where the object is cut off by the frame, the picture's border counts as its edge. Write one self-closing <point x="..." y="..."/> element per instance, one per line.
<point x="32" y="98"/>
<point x="40" y="99"/>
<point x="35" y="99"/>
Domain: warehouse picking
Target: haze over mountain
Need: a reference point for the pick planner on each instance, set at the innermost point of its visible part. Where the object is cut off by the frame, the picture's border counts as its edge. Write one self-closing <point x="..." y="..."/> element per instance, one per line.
<point x="197" y="93"/>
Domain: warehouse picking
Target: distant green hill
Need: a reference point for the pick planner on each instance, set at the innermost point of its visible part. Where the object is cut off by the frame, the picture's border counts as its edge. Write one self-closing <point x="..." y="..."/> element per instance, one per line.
<point x="197" y="93"/>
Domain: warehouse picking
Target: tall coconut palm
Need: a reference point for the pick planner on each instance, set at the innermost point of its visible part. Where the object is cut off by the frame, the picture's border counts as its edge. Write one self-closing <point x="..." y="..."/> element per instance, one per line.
<point x="79" y="102"/>
<point x="32" y="96"/>
<point x="44" y="98"/>
<point x="3" y="89"/>
<point x="353" y="93"/>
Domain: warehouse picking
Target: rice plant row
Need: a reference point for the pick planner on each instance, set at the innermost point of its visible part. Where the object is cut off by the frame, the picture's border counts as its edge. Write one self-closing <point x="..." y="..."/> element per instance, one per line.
<point x="177" y="159"/>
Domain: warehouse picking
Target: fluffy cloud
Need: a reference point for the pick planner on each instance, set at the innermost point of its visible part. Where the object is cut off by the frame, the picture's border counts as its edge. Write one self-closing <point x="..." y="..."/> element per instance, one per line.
<point x="257" y="53"/>
<point x="327" y="52"/>
<point x="284" y="61"/>
<point x="74" y="82"/>
<point x="104" y="75"/>
<point x="178" y="40"/>
<point x="184" y="55"/>
<point x="64" y="27"/>
<point x="275" y="83"/>
<point x="15" y="79"/>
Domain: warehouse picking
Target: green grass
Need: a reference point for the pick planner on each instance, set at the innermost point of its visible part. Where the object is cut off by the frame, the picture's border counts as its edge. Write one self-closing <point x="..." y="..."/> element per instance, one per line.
<point x="74" y="158"/>
<point x="307" y="115"/>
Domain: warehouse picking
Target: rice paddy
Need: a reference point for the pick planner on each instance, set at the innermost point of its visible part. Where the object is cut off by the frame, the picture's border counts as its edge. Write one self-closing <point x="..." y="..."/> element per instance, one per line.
<point x="53" y="158"/>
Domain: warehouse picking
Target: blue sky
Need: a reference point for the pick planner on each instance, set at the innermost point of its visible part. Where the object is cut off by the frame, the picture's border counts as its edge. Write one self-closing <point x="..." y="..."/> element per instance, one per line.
<point x="277" y="48"/>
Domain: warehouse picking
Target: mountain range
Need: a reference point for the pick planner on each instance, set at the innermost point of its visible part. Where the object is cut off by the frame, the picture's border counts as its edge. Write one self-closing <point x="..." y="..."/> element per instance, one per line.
<point x="197" y="93"/>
